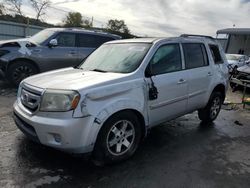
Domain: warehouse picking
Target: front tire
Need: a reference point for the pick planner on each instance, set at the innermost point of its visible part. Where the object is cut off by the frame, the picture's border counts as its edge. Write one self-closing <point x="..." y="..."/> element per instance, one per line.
<point x="20" y="70"/>
<point x="118" y="139"/>
<point x="212" y="109"/>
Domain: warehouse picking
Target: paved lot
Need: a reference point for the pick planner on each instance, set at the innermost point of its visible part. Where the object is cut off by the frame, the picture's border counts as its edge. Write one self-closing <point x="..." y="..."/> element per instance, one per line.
<point x="182" y="153"/>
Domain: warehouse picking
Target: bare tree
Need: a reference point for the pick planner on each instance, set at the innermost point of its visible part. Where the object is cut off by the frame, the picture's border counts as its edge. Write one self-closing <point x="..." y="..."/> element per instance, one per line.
<point x="2" y="9"/>
<point x="40" y="7"/>
<point x="15" y="6"/>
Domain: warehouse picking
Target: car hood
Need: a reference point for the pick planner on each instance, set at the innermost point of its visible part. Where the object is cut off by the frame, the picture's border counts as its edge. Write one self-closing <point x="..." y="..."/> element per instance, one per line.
<point x="245" y="69"/>
<point x="14" y="41"/>
<point x="70" y="78"/>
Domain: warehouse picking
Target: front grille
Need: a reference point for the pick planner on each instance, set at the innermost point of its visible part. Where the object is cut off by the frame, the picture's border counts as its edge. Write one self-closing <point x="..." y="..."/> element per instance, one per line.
<point x="30" y="97"/>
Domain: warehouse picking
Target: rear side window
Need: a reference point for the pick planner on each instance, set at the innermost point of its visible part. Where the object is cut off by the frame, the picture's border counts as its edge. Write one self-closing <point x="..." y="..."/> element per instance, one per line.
<point x="195" y="55"/>
<point x="216" y="54"/>
<point x="92" y="41"/>
<point x="66" y="40"/>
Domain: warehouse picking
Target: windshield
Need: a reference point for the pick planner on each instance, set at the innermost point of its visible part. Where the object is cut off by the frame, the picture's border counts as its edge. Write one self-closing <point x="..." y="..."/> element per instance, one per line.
<point x="118" y="58"/>
<point x="41" y="36"/>
<point x="234" y="57"/>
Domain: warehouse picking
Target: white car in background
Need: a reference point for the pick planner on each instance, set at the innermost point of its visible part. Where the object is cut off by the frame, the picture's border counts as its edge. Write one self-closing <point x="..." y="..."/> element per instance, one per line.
<point x="237" y="60"/>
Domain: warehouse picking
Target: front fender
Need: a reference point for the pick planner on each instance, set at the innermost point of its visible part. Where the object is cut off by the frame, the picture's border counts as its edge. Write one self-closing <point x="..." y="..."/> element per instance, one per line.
<point x="108" y="111"/>
<point x="118" y="103"/>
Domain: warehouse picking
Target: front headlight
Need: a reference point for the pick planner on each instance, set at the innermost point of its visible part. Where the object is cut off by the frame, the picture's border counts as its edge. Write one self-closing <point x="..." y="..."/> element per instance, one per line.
<point x="59" y="100"/>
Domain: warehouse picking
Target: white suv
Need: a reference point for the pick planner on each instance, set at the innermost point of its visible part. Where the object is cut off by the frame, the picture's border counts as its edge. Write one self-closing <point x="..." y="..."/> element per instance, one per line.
<point x="106" y="105"/>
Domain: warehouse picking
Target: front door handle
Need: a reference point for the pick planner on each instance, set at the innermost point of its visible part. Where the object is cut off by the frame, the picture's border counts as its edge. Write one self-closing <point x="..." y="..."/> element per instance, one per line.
<point x="209" y="74"/>
<point x="181" y="81"/>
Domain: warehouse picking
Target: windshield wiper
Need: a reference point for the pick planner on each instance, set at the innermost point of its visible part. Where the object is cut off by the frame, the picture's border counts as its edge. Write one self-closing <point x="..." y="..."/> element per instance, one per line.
<point x="99" y="70"/>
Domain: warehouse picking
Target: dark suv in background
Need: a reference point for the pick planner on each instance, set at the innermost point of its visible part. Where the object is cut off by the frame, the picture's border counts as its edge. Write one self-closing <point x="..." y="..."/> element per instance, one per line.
<point x="49" y="49"/>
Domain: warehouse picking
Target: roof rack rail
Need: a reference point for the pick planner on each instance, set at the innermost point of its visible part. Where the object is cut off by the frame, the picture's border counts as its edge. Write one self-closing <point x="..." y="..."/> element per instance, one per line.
<point x="190" y="35"/>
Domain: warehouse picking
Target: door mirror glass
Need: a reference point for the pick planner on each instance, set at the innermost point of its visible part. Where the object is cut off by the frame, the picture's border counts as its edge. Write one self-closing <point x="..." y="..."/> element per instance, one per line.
<point x="53" y="43"/>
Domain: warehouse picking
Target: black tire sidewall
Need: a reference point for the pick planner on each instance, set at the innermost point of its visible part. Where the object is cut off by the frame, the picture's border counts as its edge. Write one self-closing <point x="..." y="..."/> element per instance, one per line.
<point x="101" y="152"/>
<point x="205" y="114"/>
<point x="14" y="66"/>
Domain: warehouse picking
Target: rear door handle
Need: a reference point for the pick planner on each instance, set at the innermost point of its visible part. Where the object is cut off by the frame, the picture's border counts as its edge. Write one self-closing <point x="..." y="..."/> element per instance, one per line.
<point x="181" y="81"/>
<point x="209" y="74"/>
<point x="73" y="52"/>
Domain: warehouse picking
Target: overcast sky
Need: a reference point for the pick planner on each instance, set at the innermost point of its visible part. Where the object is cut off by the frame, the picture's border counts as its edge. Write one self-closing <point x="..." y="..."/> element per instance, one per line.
<point x="158" y="17"/>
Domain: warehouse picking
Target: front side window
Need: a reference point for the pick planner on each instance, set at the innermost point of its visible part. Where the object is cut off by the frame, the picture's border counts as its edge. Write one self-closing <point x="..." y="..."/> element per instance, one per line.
<point x="195" y="55"/>
<point x="118" y="58"/>
<point x="166" y="59"/>
<point x="66" y="40"/>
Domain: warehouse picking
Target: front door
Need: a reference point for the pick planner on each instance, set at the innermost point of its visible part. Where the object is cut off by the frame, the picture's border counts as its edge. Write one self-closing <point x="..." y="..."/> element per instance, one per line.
<point x="171" y="82"/>
<point x="63" y="55"/>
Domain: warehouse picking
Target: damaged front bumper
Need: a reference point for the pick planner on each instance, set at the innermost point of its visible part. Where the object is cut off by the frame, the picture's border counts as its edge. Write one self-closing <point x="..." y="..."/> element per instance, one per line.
<point x="66" y="134"/>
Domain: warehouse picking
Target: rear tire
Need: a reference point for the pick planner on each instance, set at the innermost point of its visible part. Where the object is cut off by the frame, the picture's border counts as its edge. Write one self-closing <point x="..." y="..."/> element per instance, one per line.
<point x="20" y="70"/>
<point x="118" y="139"/>
<point x="212" y="109"/>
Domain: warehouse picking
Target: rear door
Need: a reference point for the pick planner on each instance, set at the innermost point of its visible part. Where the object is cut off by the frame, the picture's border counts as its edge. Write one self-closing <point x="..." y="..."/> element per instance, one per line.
<point x="87" y="43"/>
<point x="171" y="82"/>
<point x="199" y="74"/>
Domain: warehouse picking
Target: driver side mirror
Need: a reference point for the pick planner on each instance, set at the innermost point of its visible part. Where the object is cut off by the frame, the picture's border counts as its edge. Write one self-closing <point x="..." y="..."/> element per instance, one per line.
<point x="53" y="43"/>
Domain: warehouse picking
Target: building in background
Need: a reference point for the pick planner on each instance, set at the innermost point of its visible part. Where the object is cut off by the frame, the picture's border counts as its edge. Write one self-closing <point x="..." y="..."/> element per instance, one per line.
<point x="235" y="40"/>
<point x="12" y="30"/>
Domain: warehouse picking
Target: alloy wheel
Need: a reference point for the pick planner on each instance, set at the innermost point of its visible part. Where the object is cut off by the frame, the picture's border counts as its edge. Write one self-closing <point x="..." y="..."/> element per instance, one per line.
<point x="120" y="137"/>
<point x="215" y="108"/>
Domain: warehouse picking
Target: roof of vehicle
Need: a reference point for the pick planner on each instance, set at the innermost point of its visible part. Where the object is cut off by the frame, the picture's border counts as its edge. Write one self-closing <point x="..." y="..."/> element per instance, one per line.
<point x="136" y="40"/>
<point x="196" y="38"/>
<point x="242" y="31"/>
<point x="236" y="55"/>
<point x="82" y="30"/>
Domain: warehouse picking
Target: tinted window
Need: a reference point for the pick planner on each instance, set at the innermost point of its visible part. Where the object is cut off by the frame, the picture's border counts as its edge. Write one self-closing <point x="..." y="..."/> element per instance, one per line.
<point x="92" y="41"/>
<point x="216" y="54"/>
<point x="166" y="59"/>
<point x="195" y="55"/>
<point x="66" y="40"/>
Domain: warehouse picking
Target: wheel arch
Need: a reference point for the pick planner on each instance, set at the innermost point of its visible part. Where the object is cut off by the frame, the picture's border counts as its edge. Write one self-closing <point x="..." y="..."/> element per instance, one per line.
<point x="222" y="89"/>
<point x="25" y="60"/>
<point x="138" y="114"/>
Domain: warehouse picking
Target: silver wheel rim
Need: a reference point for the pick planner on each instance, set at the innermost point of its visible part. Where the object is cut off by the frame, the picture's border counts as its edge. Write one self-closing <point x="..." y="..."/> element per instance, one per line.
<point x="215" y="108"/>
<point x="120" y="137"/>
<point x="22" y="72"/>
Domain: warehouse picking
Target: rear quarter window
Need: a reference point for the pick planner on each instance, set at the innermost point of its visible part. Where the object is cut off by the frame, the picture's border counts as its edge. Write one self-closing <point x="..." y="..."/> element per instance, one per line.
<point x="214" y="49"/>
